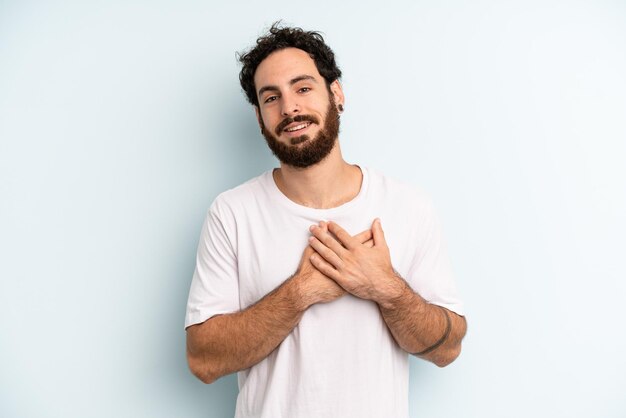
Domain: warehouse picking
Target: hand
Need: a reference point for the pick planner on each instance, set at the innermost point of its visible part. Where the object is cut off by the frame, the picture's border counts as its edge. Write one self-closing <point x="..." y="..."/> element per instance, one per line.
<point x="314" y="285"/>
<point x="364" y="271"/>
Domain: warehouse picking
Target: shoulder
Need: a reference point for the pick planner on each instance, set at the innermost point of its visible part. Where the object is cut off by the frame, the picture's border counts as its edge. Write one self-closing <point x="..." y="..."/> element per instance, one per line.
<point x="234" y="206"/>
<point x="398" y="191"/>
<point x="237" y="199"/>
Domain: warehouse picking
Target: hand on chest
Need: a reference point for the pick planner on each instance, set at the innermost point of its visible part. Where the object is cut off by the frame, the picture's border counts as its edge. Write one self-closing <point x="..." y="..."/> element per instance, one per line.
<point x="270" y="253"/>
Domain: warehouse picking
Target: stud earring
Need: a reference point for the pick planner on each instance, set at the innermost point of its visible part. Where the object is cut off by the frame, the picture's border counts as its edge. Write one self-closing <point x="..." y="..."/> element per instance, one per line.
<point x="340" y="107"/>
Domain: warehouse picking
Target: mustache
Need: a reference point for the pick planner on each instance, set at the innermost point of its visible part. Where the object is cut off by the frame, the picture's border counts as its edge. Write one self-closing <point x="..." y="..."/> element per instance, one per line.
<point x="298" y="118"/>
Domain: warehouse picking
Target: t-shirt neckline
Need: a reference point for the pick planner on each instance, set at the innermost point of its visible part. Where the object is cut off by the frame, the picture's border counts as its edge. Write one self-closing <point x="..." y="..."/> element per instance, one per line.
<point x="280" y="197"/>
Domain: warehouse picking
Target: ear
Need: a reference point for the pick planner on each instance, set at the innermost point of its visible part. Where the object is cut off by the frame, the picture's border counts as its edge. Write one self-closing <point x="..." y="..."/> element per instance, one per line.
<point x="337" y="91"/>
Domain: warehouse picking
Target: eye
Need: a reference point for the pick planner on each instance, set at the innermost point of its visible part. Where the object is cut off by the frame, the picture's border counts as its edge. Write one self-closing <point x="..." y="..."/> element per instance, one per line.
<point x="270" y="99"/>
<point x="304" y="89"/>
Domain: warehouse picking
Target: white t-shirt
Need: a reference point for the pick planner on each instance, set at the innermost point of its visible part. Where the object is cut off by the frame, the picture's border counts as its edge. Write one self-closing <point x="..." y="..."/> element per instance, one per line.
<point x="340" y="360"/>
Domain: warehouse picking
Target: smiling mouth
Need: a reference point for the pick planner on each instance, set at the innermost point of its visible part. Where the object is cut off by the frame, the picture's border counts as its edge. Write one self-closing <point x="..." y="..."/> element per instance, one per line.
<point x="298" y="127"/>
<point x="293" y="126"/>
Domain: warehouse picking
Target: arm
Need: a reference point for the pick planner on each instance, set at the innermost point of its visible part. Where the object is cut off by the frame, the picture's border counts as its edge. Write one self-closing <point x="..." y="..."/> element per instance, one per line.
<point x="428" y="331"/>
<point x="231" y="342"/>
<point x="228" y="343"/>
<point x="417" y="326"/>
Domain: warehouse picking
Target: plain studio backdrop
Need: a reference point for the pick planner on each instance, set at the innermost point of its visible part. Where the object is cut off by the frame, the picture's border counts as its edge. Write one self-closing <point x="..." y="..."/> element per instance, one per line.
<point x="121" y="121"/>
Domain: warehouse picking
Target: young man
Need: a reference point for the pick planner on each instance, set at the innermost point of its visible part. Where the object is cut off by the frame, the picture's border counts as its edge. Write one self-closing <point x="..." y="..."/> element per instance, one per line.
<point x="296" y="285"/>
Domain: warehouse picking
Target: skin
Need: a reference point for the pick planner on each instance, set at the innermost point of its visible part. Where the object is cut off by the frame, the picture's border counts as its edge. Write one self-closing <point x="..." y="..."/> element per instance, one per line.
<point x="288" y="84"/>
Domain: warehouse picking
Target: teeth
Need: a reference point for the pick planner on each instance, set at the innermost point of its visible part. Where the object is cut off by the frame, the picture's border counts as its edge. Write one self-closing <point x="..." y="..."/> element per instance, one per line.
<point x="296" y="128"/>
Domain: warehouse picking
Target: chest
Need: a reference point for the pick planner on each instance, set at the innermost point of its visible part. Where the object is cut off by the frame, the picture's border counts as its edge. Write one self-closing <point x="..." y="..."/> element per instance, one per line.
<point x="269" y="252"/>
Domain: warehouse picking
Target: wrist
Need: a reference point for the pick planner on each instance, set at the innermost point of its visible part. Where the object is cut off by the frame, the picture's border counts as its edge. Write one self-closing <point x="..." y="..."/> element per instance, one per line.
<point x="300" y="296"/>
<point x="393" y="291"/>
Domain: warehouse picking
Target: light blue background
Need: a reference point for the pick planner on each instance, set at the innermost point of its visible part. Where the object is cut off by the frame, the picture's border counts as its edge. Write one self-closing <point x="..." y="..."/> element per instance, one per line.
<point x="121" y="121"/>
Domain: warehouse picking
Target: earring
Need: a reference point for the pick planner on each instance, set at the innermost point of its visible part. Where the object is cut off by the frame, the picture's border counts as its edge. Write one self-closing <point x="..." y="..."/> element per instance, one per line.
<point x="340" y="107"/>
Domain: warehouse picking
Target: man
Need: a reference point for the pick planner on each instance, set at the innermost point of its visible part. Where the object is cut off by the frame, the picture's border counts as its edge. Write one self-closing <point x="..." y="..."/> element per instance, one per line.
<point x="296" y="285"/>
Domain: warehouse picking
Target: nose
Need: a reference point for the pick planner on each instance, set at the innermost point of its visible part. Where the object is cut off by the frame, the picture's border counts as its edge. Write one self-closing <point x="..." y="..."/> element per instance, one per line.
<point x="289" y="106"/>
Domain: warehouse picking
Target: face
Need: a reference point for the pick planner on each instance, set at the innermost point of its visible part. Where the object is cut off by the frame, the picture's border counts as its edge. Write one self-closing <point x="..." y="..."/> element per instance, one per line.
<point x="297" y="113"/>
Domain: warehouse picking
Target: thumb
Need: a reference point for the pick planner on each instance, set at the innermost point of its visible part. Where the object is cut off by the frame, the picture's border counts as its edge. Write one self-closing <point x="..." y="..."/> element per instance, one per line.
<point x="377" y="232"/>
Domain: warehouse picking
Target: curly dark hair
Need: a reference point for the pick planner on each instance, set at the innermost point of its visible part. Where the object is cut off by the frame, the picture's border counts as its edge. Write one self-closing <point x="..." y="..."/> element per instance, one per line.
<point x="285" y="37"/>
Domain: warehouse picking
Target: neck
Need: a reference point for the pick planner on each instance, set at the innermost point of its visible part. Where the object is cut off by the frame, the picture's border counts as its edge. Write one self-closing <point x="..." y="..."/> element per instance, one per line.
<point x="327" y="184"/>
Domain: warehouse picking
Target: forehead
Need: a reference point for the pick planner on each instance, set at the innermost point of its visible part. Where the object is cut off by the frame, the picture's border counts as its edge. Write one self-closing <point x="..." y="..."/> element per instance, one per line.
<point x="282" y="66"/>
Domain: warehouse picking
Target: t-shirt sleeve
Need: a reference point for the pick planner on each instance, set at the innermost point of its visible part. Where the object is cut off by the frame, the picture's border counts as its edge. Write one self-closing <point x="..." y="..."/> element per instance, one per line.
<point x="430" y="273"/>
<point x="215" y="285"/>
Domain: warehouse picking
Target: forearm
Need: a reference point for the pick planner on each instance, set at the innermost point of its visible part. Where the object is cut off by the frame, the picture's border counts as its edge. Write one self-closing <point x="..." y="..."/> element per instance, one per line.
<point x="228" y="343"/>
<point x="419" y="327"/>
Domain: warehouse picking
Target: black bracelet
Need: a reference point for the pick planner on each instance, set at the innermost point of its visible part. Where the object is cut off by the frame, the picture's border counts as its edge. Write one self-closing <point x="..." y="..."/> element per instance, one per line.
<point x="442" y="339"/>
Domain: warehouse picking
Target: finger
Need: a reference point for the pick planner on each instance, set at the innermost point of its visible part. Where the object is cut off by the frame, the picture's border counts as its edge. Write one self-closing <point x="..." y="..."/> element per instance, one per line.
<point x="379" y="235"/>
<point x="328" y="254"/>
<point x="364" y="236"/>
<point x="321" y="233"/>
<point x="324" y="267"/>
<point x="369" y="243"/>
<point x="343" y="236"/>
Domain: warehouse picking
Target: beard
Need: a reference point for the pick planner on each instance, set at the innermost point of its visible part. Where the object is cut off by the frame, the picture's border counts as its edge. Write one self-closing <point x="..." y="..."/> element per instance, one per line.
<point x="311" y="151"/>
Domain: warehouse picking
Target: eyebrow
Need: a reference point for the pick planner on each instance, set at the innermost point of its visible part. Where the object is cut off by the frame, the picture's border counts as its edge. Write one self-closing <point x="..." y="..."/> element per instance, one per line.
<point x="291" y="83"/>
